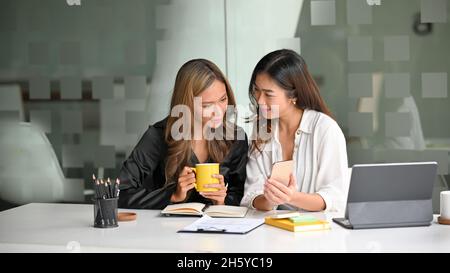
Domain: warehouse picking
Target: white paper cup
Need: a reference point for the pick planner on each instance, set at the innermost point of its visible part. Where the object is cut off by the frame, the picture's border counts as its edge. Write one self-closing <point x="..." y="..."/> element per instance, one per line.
<point x="445" y="204"/>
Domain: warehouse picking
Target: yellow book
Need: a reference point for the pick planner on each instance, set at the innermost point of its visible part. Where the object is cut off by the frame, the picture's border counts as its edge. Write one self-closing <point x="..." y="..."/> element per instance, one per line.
<point x="287" y="224"/>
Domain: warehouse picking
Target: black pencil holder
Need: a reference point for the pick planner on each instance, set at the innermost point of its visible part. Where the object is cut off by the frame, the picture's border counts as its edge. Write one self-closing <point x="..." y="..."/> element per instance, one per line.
<point x="105" y="213"/>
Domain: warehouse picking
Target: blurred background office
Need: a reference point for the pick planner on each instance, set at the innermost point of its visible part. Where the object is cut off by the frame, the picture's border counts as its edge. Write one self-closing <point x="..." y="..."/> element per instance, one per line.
<point x="81" y="80"/>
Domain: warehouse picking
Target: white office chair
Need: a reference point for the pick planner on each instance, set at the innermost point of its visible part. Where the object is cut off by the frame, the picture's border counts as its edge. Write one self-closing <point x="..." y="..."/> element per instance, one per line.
<point x="11" y="102"/>
<point x="29" y="168"/>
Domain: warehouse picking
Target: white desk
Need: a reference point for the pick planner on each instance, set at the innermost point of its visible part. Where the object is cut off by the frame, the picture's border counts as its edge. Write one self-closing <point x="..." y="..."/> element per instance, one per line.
<point x="68" y="228"/>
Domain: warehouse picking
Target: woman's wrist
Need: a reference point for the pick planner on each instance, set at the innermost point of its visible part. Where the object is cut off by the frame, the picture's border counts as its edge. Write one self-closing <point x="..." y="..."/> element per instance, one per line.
<point x="219" y="202"/>
<point x="296" y="200"/>
<point x="173" y="198"/>
<point x="308" y="201"/>
<point x="176" y="198"/>
<point x="260" y="202"/>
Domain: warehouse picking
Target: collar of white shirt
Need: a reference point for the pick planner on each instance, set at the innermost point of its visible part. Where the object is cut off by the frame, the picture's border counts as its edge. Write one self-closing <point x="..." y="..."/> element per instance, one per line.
<point x="306" y="124"/>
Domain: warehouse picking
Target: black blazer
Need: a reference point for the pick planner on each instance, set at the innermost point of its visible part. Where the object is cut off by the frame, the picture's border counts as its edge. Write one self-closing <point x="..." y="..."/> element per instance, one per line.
<point x="142" y="176"/>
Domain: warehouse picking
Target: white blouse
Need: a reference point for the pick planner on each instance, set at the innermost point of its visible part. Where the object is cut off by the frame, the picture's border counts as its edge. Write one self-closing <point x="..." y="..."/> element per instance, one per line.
<point x="320" y="162"/>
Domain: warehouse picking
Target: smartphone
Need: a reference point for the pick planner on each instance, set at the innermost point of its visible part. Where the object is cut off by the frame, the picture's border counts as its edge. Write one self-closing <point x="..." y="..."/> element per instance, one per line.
<point x="281" y="171"/>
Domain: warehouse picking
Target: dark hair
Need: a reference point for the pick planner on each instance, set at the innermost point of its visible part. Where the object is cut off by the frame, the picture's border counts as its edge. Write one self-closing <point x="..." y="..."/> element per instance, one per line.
<point x="289" y="71"/>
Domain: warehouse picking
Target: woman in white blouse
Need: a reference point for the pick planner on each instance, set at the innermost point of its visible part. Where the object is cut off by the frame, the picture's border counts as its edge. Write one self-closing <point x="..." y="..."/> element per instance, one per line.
<point x="300" y="128"/>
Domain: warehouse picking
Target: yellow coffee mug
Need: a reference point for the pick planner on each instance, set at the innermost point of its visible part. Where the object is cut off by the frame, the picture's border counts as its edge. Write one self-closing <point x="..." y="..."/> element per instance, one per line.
<point x="203" y="175"/>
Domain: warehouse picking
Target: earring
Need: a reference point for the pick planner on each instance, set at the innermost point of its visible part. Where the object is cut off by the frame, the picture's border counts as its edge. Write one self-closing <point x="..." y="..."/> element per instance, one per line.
<point x="294" y="102"/>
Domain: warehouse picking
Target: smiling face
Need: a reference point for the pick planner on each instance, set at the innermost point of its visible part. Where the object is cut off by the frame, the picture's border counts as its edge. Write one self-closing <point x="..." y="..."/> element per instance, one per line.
<point x="214" y="104"/>
<point x="271" y="98"/>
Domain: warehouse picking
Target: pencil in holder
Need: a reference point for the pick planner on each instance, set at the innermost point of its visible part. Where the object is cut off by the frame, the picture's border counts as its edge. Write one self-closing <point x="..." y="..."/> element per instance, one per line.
<point x="105" y="213"/>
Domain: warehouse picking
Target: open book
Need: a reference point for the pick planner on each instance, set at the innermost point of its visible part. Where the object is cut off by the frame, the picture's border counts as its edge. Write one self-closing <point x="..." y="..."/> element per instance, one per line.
<point x="201" y="209"/>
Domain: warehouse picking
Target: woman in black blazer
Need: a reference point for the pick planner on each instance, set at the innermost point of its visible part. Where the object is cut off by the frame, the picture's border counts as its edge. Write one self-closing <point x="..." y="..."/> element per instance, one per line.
<point x="157" y="172"/>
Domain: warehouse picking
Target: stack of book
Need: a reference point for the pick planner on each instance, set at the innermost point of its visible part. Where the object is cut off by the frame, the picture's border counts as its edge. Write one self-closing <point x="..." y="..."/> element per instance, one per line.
<point x="298" y="223"/>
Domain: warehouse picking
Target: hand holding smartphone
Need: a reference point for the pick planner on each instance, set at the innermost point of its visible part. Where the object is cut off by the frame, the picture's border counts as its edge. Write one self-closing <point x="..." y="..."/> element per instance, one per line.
<point x="281" y="171"/>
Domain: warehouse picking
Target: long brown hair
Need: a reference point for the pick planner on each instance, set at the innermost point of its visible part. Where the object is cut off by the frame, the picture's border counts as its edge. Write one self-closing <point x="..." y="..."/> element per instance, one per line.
<point x="191" y="80"/>
<point x="289" y="70"/>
